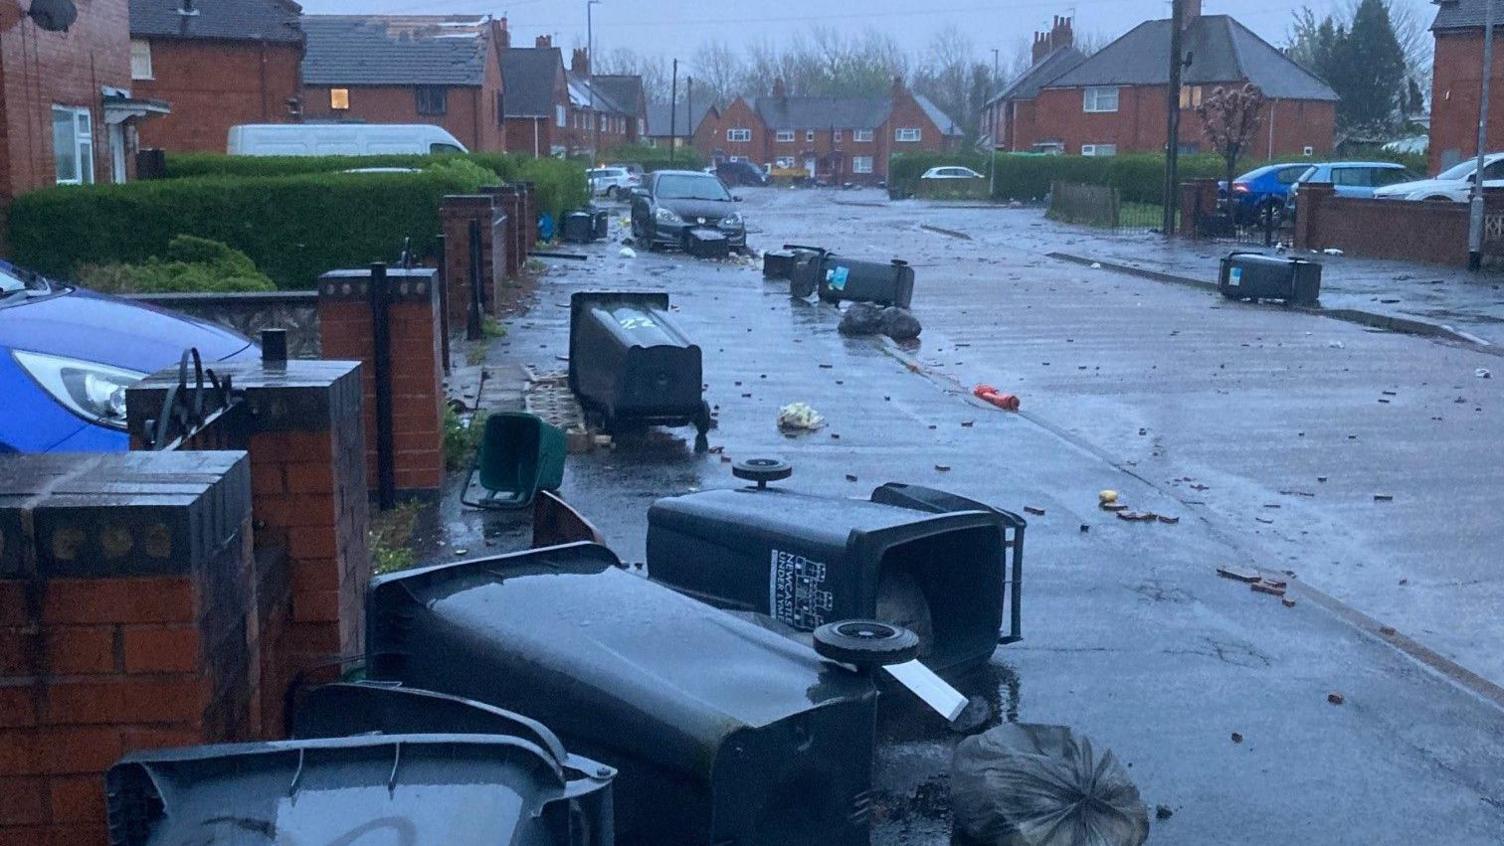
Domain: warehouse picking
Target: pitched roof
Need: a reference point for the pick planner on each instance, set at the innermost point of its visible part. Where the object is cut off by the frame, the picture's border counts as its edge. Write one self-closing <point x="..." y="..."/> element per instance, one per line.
<point x="527" y="78"/>
<point x="823" y="112"/>
<point x="622" y="89"/>
<point x="395" y="49"/>
<point x="1222" y="50"/>
<point x="659" y="123"/>
<point x="937" y="117"/>
<point x="1463" y="14"/>
<point x="586" y="92"/>
<point x="253" y="20"/>
<point x="1027" y="86"/>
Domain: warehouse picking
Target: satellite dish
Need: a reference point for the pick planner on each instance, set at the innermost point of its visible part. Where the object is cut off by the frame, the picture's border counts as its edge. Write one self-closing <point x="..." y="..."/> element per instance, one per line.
<point x="53" y="15"/>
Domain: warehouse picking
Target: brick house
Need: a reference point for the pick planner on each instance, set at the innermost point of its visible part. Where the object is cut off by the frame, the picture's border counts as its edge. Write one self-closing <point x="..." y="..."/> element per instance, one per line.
<point x="218" y="62"/>
<point x="692" y="124"/>
<point x="1114" y="101"/>
<point x="1456" y="83"/>
<point x="625" y="91"/>
<point x="1008" y="117"/>
<point x="536" y="99"/>
<point x="436" y="69"/>
<point x="66" y="111"/>
<point x="598" y="121"/>
<point x="836" y="139"/>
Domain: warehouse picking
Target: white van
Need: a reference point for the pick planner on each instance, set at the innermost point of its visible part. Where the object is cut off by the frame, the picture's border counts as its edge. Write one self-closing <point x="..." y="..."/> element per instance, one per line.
<point x="340" y="139"/>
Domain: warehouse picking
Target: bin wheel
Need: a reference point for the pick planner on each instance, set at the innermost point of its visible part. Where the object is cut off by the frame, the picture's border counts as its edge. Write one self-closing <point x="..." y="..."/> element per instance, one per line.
<point x="762" y="470"/>
<point x="866" y="643"/>
<point x="702" y="427"/>
<point x="800" y="286"/>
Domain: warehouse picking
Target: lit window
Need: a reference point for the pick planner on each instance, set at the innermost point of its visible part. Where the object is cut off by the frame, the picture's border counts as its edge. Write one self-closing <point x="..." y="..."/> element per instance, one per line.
<point x="738" y="135"/>
<point x="906" y="133"/>
<point x="1100" y="99"/>
<point x="861" y="135"/>
<point x="1190" y="96"/>
<point x="140" y="59"/>
<point x="339" y="99"/>
<point x="73" y="145"/>
<point x="861" y="164"/>
<point x="785" y="135"/>
<point x="1099" y="149"/>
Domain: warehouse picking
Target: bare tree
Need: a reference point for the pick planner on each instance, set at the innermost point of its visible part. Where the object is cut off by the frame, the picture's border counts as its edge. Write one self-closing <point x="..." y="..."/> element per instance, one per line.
<point x="1229" y="117"/>
<point x="718" y="70"/>
<point x="624" y="60"/>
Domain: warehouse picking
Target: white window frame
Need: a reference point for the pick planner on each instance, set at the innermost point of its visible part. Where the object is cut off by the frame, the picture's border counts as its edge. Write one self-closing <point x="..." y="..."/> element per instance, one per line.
<point x="861" y="164"/>
<point x="835" y="135"/>
<point x="809" y="135"/>
<point x="561" y="116"/>
<point x="82" y="121"/>
<point x="784" y="135"/>
<point x="1101" y="150"/>
<point x="784" y="161"/>
<point x="141" y="59"/>
<point x="1094" y="99"/>
<point x="907" y="134"/>
<point x="860" y="135"/>
<point x="739" y="134"/>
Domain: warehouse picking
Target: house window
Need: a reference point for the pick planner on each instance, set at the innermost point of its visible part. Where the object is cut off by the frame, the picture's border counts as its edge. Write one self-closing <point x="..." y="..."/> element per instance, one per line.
<point x="432" y="99"/>
<point x="1100" y="99"/>
<point x="140" y="59"/>
<point x="906" y="133"/>
<point x="501" y="111"/>
<point x="785" y="135"/>
<point x="1190" y="96"/>
<point x="559" y="117"/>
<point x="835" y="135"/>
<point x="738" y="135"/>
<point x="1099" y="149"/>
<point x="861" y="164"/>
<point x="809" y="135"/>
<point x="339" y="99"/>
<point x="73" y="145"/>
<point x="784" y="161"/>
<point x="861" y="135"/>
<point x="642" y="127"/>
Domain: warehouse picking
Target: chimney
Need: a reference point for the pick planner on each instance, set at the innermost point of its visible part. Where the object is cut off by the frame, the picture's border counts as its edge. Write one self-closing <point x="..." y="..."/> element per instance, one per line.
<point x="1190" y="10"/>
<point x="503" y="35"/>
<point x="1061" y="34"/>
<point x="580" y="61"/>
<point x="1041" y="46"/>
<point x="898" y="87"/>
<point x="778" y="89"/>
<point x="544" y="41"/>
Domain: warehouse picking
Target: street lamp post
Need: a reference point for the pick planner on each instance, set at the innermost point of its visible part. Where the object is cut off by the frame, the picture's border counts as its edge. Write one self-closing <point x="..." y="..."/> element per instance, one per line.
<point x="1475" y="208"/>
<point x="595" y="119"/>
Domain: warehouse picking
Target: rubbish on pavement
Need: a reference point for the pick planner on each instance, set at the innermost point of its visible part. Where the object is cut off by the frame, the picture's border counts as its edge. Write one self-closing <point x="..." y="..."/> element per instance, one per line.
<point x="1113" y="506"/>
<point x="943" y="468"/>
<point x="899" y="324"/>
<point x="627" y="252"/>
<point x="989" y="394"/>
<point x="1163" y="812"/>
<point x="519" y="456"/>
<point x="1165" y="518"/>
<point x="1287" y="602"/>
<point x="1383" y="497"/>
<point x="1255" y="276"/>
<point x="975" y="715"/>
<point x="707" y="243"/>
<point x="1483" y="373"/>
<point x="1138" y="516"/>
<point x="1386" y="630"/>
<point x="1335" y="698"/>
<point x="665" y="688"/>
<point x="861" y="319"/>
<point x="1238" y="574"/>
<point x="1336" y="345"/>
<point x="1096" y="265"/>
<point x="1035" y="510"/>
<point x="550" y="254"/>
<point x="930" y="561"/>
<point x="1036" y="785"/>
<point x="1106" y="496"/>
<point x="1237" y="738"/>
<point x="799" y="417"/>
<point x="556" y="522"/>
<point x="920" y="680"/>
<point x="630" y="364"/>
<point x="1265" y="587"/>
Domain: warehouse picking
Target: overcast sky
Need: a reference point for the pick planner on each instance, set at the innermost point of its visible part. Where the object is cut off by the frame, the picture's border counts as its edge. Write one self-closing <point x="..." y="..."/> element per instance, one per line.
<point x="677" y="27"/>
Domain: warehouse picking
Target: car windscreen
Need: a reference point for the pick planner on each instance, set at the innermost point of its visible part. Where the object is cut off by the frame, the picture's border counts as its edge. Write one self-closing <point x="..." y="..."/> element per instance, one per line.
<point x="686" y="187"/>
<point x="12" y="282"/>
<point x="1457" y="171"/>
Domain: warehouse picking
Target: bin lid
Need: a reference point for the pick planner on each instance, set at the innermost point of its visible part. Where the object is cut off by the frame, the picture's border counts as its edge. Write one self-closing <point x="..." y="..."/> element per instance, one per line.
<point x="633" y="319"/>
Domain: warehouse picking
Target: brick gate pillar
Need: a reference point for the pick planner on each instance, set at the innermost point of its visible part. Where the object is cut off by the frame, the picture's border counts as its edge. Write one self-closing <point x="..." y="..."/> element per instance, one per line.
<point x="456" y="212"/>
<point x="1310" y="199"/>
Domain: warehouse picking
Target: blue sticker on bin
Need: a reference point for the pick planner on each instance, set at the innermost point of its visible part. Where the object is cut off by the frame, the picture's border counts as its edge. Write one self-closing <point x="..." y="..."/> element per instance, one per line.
<point x="836" y="278"/>
<point x="1234" y="277"/>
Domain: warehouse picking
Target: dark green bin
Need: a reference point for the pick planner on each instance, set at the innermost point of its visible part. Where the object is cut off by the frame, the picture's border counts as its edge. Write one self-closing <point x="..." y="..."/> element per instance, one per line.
<point x="519" y="455"/>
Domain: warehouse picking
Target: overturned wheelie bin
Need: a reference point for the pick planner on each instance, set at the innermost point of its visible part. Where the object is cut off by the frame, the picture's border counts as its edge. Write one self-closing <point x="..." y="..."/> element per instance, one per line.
<point x="455" y="789"/>
<point x="630" y="364"/>
<point x="813" y="270"/>
<point x="722" y="730"/>
<point x="941" y="565"/>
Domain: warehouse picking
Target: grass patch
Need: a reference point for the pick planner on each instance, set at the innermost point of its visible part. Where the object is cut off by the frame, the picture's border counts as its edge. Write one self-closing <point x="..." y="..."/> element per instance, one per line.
<point x="390" y="538"/>
<point x="461" y="438"/>
<point x="492" y="328"/>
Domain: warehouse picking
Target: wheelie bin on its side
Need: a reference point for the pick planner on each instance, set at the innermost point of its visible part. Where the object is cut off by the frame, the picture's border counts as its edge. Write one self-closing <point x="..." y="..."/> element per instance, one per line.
<point x="1255" y="276"/>
<point x="519" y="455"/>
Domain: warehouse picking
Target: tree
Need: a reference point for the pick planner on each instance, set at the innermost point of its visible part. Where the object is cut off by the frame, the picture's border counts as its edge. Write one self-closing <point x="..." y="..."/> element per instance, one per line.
<point x="1229" y="117"/>
<point x="1364" y="62"/>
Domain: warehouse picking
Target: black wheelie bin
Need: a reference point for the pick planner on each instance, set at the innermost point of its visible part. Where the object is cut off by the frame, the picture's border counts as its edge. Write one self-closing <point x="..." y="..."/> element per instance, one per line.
<point x="1255" y="276"/>
<point x="723" y="731"/>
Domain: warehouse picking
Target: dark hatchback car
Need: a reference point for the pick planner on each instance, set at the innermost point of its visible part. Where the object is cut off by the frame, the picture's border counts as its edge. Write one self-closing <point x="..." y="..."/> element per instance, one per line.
<point x="741" y="173"/>
<point x="669" y="203"/>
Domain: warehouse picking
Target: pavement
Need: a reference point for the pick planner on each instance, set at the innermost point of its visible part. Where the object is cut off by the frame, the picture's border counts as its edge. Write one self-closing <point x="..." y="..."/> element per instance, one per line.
<point x="1269" y="432"/>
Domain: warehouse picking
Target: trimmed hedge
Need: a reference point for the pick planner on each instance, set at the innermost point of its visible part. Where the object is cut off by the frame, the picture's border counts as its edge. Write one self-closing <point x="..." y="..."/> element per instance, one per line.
<point x="292" y="227"/>
<point x="192" y="264"/>
<point x="1139" y="178"/>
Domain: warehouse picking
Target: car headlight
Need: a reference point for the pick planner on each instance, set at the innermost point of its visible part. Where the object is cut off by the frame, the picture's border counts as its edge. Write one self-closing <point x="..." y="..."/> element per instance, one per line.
<point x="732" y="221"/>
<point x="664" y="215"/>
<point x="95" y="392"/>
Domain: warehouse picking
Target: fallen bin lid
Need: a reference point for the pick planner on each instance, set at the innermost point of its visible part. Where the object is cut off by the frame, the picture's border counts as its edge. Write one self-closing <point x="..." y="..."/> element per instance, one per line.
<point x="459" y="790"/>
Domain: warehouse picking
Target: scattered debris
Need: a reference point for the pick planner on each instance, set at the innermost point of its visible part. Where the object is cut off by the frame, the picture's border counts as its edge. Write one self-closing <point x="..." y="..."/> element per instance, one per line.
<point x="1336" y="345"/>
<point x="1163" y="812"/>
<point x="1483" y="373"/>
<point x="1112" y="506"/>
<point x="899" y="324"/>
<point x="1229" y="572"/>
<point x="1265" y="586"/>
<point x="861" y="319"/>
<point x="1383" y="497"/>
<point x="989" y="394"/>
<point x="851" y="477"/>
<point x="1335" y="698"/>
<point x="967" y="424"/>
<point x="1287" y="602"/>
<point x="1237" y="738"/>
<point x="1085" y="528"/>
<point x="1387" y="631"/>
<point x="1106" y="496"/>
<point x="1332" y="251"/>
<point x="1165" y="518"/>
<point x="799" y="417"/>
<point x="1138" y="516"/>
<point x="1096" y="265"/>
<point x="1035" y="510"/>
<point x="627" y="252"/>
<point x="943" y="468"/>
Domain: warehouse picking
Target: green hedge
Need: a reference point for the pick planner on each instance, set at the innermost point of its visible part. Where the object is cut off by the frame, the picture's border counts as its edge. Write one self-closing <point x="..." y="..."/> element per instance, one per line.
<point x="656" y="158"/>
<point x="292" y="227"/>
<point x="192" y="264"/>
<point x="1139" y="178"/>
<point x="561" y="184"/>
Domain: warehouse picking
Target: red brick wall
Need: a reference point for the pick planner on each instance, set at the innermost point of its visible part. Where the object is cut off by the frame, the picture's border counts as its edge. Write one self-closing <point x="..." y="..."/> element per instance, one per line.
<point x="530" y="136"/>
<point x="39" y="69"/>
<point x="738" y="115"/>
<point x="1138" y="126"/>
<point x="214" y="85"/>
<point x="1456" y="82"/>
<point x="1427" y="232"/>
<point x="470" y="114"/>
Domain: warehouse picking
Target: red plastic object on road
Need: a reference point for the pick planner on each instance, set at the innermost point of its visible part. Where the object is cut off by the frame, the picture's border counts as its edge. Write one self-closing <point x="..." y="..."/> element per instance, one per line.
<point x="987" y="393"/>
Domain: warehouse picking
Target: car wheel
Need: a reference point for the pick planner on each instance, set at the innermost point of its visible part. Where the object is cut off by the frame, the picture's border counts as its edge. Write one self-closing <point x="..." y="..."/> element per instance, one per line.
<point x="1439" y="198"/>
<point x="866" y="643"/>
<point x="610" y="192"/>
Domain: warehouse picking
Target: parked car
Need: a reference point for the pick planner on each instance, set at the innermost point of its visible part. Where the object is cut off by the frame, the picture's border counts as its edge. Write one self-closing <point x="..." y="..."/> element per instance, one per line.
<point x="671" y="202"/>
<point x="740" y="173"/>
<point x="610" y="181"/>
<point x="1266" y="187"/>
<point x="952" y="172"/>
<point x="340" y="139"/>
<point x="1350" y="179"/>
<point x="630" y="167"/>
<point x="68" y="354"/>
<point x="1451" y="185"/>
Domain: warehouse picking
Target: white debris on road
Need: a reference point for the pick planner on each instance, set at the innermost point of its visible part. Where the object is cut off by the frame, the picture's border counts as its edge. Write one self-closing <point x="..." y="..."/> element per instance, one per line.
<point x="799" y="416"/>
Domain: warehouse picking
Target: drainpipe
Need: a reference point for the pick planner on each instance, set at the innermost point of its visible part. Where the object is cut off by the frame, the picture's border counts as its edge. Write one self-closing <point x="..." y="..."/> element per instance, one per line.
<point x="1272" y="104"/>
<point x="535" y="137"/>
<point x="1475" y="210"/>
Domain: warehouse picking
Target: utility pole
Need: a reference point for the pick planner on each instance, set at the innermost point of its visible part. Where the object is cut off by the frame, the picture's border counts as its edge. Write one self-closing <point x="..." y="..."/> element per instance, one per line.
<point x="1172" y="123"/>
<point x="595" y="118"/>
<point x="992" y="139"/>
<point x="673" y="113"/>
<point x="689" y="110"/>
<point x="1475" y="209"/>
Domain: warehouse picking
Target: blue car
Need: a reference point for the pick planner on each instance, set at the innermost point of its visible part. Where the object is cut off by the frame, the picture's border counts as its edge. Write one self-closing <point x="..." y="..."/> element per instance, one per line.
<point x="67" y="356"/>
<point x="1266" y="187"/>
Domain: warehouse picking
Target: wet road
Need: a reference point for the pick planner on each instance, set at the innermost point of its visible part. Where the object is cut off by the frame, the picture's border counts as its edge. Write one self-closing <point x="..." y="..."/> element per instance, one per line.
<point x="1186" y="405"/>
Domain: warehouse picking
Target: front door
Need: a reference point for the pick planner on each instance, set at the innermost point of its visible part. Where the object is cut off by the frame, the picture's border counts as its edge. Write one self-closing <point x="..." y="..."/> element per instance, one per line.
<point x="116" y="132"/>
<point x="809" y="166"/>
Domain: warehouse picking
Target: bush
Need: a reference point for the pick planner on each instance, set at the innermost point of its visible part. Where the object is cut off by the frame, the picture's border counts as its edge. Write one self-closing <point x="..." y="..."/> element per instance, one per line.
<point x="192" y="264"/>
<point x="292" y="227"/>
<point x="656" y="158"/>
